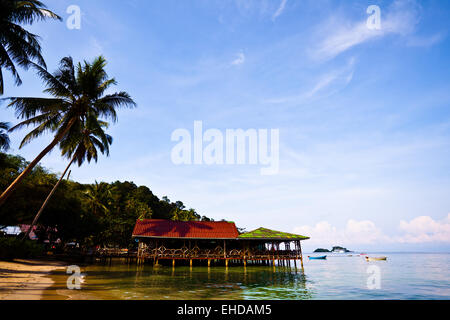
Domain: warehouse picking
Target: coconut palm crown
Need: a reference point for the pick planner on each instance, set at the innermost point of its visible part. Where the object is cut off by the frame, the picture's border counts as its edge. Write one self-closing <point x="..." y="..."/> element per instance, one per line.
<point x="78" y="97"/>
<point x="17" y="45"/>
<point x="86" y="141"/>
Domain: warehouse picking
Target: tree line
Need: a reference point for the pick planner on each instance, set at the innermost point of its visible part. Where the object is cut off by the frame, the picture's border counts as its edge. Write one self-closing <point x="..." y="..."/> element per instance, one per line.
<point x="89" y="214"/>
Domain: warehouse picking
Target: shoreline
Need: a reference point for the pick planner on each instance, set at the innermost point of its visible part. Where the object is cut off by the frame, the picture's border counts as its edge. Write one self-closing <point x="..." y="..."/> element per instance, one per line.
<point x="29" y="279"/>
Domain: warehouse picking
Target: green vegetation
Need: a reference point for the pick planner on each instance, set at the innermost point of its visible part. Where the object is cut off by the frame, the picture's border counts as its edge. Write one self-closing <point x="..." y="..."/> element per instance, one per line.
<point x="264" y="233"/>
<point x="337" y="249"/>
<point x="321" y="250"/>
<point x="4" y="138"/>
<point x="90" y="214"/>
<point x="13" y="248"/>
<point x="334" y="249"/>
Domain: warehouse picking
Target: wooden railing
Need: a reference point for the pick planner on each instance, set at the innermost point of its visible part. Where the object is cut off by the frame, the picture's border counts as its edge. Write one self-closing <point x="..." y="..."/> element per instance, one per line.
<point x="217" y="253"/>
<point x="111" y="252"/>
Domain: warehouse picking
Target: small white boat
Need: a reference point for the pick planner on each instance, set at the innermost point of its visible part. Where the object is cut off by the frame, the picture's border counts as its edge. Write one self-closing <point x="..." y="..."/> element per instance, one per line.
<point x="375" y="258"/>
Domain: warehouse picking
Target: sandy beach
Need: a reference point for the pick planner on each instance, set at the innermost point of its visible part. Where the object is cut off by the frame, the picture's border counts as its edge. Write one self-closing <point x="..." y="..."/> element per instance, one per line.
<point x="27" y="279"/>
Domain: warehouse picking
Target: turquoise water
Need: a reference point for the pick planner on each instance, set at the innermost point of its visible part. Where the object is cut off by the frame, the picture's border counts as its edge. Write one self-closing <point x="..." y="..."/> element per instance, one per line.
<point x="402" y="276"/>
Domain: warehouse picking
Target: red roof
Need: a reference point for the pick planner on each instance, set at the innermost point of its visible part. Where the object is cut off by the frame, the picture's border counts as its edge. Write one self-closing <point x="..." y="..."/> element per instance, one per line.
<point x="156" y="228"/>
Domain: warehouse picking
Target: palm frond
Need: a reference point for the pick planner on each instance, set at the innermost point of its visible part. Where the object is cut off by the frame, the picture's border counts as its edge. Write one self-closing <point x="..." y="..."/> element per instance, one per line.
<point x="8" y="64"/>
<point x="26" y="12"/>
<point x="17" y="45"/>
<point x="37" y="120"/>
<point x="106" y="106"/>
<point x="1" y="82"/>
<point x="55" y="87"/>
<point x="23" y="46"/>
<point x="38" y="131"/>
<point x="4" y="138"/>
<point x="26" y="108"/>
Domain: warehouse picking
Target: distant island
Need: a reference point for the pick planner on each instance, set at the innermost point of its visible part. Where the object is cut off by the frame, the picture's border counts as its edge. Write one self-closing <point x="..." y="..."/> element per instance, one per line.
<point x="321" y="250"/>
<point x="336" y="249"/>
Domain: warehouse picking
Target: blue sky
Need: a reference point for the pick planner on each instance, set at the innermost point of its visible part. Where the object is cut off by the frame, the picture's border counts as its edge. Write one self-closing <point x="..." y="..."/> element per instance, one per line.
<point x="364" y="115"/>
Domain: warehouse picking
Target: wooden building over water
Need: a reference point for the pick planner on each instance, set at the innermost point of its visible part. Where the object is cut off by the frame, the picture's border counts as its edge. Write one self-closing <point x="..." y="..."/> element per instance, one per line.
<point x="214" y="242"/>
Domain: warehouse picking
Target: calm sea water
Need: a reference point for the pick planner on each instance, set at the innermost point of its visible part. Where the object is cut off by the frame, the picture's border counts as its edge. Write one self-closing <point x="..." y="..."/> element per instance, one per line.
<point x="402" y="276"/>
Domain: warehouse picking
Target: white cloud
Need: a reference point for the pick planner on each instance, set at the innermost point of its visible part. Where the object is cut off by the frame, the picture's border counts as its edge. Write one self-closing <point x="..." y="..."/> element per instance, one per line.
<point x="400" y="19"/>
<point x="239" y="60"/>
<point x="423" y="229"/>
<point x="355" y="232"/>
<point x="279" y="10"/>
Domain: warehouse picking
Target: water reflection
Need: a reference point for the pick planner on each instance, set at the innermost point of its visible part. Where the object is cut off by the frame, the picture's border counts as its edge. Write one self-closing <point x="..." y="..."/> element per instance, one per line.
<point x="118" y="281"/>
<point x="403" y="276"/>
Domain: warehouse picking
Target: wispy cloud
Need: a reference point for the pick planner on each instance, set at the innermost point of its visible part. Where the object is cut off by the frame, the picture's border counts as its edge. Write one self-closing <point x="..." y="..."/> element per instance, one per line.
<point x="266" y="9"/>
<point x="400" y="18"/>
<point x="343" y="77"/>
<point x="240" y="59"/>
<point x="326" y="85"/>
<point x="425" y="41"/>
<point x="279" y="10"/>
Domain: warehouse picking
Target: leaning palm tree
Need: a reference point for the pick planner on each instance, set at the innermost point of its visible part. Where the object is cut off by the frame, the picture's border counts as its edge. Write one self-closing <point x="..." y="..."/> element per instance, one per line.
<point x="79" y="147"/>
<point x="78" y="93"/>
<point x="4" y="138"/>
<point x="17" y="45"/>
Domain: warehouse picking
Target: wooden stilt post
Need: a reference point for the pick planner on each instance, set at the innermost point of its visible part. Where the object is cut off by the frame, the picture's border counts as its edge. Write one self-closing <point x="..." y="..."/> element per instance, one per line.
<point x="278" y="255"/>
<point x="190" y="263"/>
<point x="301" y="255"/>
<point x="226" y="263"/>
<point x="209" y="263"/>
<point x="155" y="261"/>
<point x="273" y="255"/>
<point x="224" y="249"/>
<point x="138" y="259"/>
<point x="173" y="263"/>
<point x="289" y="253"/>
<point x="296" y="255"/>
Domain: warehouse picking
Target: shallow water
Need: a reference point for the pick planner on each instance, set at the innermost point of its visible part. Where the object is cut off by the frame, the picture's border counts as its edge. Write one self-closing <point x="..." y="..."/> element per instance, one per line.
<point x="402" y="276"/>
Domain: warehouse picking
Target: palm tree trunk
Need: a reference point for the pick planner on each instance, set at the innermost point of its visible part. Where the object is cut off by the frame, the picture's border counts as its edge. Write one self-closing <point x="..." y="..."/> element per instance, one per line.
<point x="33" y="163"/>
<point x="46" y="201"/>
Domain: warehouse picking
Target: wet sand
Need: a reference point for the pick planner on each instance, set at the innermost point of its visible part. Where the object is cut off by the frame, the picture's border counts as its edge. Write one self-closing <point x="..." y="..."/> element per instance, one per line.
<point x="29" y="279"/>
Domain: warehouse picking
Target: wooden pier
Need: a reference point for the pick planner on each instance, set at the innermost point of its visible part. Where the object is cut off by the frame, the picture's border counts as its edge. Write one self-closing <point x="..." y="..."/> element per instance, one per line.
<point x="214" y="243"/>
<point x="217" y="256"/>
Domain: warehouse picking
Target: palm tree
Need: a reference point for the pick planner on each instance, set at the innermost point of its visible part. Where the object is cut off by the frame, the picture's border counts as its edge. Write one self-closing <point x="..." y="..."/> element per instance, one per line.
<point x="78" y="94"/>
<point x="78" y="148"/>
<point x="16" y="44"/>
<point x="98" y="197"/>
<point x="4" y="138"/>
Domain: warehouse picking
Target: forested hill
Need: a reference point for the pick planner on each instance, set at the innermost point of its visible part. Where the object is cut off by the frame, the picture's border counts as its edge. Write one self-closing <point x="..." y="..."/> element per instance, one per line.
<point x="99" y="213"/>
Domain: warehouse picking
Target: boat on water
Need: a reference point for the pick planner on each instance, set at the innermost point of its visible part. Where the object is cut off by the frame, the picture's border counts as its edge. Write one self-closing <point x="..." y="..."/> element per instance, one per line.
<point x="376" y="258"/>
<point x="317" y="258"/>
